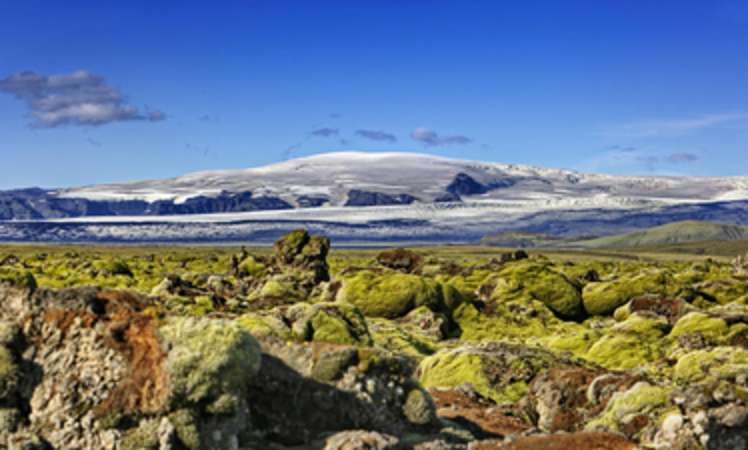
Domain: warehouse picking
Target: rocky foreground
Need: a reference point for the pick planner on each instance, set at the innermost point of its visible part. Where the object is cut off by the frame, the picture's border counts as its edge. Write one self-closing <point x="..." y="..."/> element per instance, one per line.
<point x="283" y="351"/>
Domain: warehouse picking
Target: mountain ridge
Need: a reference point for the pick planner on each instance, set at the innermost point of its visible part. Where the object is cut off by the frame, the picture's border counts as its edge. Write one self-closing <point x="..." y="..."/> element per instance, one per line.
<point x="372" y="195"/>
<point x="680" y="232"/>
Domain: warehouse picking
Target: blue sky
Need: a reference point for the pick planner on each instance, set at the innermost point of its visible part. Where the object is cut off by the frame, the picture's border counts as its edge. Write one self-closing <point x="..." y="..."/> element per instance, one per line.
<point x="107" y="91"/>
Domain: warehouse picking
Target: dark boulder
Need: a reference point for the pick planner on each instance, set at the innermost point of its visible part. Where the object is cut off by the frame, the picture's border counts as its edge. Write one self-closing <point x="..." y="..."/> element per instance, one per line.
<point x="400" y="259"/>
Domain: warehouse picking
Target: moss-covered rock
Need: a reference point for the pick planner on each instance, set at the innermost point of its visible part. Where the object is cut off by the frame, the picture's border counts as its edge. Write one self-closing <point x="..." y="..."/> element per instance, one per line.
<point x="402" y="338"/>
<point x="9" y="373"/>
<point x="339" y="323"/>
<point x="331" y="362"/>
<point x="17" y="278"/>
<point x="285" y="288"/>
<point x="519" y="320"/>
<point x="303" y="252"/>
<point x="604" y="297"/>
<point x="631" y="411"/>
<point x="251" y="266"/>
<point x="713" y="329"/>
<point x="389" y="295"/>
<point x="496" y="370"/>
<point x="113" y="267"/>
<point x="635" y="342"/>
<point x="264" y="325"/>
<point x="400" y="259"/>
<point x="142" y="437"/>
<point x="419" y="407"/>
<point x="537" y="280"/>
<point x="719" y="363"/>
<point x="208" y="359"/>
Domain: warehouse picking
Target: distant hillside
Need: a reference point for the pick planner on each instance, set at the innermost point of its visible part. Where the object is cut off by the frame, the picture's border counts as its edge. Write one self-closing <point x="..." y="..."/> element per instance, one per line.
<point x="520" y="239"/>
<point x="672" y="233"/>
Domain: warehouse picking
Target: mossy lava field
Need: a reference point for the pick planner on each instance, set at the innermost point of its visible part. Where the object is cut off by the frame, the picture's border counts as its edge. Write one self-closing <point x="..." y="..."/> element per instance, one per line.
<point x="302" y="347"/>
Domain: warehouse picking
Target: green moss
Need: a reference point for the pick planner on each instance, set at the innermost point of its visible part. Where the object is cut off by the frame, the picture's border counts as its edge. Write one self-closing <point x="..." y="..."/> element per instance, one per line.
<point x="338" y="323"/>
<point x="264" y="325"/>
<point x="621" y="352"/>
<point x="718" y="363"/>
<point x="9" y="375"/>
<point x="466" y="284"/>
<point x="632" y="343"/>
<point x="647" y="328"/>
<point x="498" y="371"/>
<point x="115" y="267"/>
<point x="287" y="247"/>
<point x="208" y="358"/>
<point x="640" y="399"/>
<point x="513" y="320"/>
<point x="18" y="278"/>
<point x="282" y="288"/>
<point x="186" y="425"/>
<point x="144" y="437"/>
<point x="538" y="281"/>
<point x="201" y="305"/>
<point x="250" y="266"/>
<point x="602" y="298"/>
<point x="453" y="368"/>
<point x="374" y="360"/>
<point x="452" y="296"/>
<point x="389" y="295"/>
<point x="401" y="338"/>
<point x="715" y="330"/>
<point x="577" y="343"/>
<point x="332" y="363"/>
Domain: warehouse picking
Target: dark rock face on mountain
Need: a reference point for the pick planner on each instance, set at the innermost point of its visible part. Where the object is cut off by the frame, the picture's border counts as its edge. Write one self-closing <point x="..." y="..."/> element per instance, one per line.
<point x="35" y="204"/>
<point x="447" y="197"/>
<point x="366" y="198"/>
<point x="464" y="184"/>
<point x="311" y="201"/>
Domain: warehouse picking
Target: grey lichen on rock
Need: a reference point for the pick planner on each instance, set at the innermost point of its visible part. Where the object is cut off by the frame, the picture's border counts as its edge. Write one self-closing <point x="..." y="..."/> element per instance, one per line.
<point x="208" y="359"/>
<point x="419" y="407"/>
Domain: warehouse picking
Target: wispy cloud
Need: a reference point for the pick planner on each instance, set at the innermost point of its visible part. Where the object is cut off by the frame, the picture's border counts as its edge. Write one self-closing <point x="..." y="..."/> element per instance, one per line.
<point x="432" y="138"/>
<point x="94" y="142"/>
<point x="79" y="98"/>
<point x="682" y="158"/>
<point x="376" y="135"/>
<point x="628" y="158"/>
<point x="672" y="126"/>
<point x="325" y="132"/>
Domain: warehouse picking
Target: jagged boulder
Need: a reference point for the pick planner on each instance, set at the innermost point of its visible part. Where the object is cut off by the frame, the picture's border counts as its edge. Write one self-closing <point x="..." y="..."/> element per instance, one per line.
<point x="400" y="259"/>
<point x="298" y="250"/>
<point x="297" y="267"/>
<point x="565" y="398"/>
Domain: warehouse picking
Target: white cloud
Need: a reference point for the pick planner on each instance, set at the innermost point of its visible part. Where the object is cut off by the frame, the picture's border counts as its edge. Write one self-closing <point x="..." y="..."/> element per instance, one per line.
<point x="80" y="98"/>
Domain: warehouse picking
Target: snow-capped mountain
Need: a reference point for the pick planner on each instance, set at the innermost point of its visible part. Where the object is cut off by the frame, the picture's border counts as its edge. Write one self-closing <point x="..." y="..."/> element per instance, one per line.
<point x="426" y="178"/>
<point x="369" y="196"/>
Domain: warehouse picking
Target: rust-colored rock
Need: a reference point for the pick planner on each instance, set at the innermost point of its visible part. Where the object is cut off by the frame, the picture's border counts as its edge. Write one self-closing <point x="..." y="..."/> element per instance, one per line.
<point x="400" y="259"/>
<point x="460" y="406"/>
<point x="570" y="441"/>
